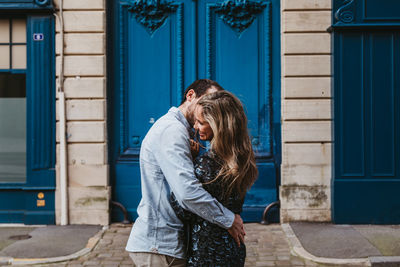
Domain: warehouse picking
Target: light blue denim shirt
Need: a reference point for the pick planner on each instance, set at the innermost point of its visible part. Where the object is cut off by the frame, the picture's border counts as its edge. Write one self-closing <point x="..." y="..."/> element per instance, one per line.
<point x="166" y="165"/>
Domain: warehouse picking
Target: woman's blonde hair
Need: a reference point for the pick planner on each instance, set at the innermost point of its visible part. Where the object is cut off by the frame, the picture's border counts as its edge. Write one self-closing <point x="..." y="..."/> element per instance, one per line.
<point x="231" y="142"/>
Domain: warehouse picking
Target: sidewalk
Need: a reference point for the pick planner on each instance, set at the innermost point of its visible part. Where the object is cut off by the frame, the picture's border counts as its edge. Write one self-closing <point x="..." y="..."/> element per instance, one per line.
<point x="296" y="244"/>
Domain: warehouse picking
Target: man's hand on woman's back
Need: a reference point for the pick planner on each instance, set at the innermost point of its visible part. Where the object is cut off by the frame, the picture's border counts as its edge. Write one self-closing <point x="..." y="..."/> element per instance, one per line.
<point x="237" y="230"/>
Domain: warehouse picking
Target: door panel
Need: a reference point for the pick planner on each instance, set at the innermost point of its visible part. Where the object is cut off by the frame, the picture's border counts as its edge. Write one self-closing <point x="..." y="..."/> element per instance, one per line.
<point x="230" y="42"/>
<point x="240" y="59"/>
<point x="366" y="113"/>
<point x="154" y="68"/>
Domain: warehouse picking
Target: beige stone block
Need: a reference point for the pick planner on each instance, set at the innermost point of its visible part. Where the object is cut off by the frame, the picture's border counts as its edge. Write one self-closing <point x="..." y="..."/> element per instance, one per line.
<point x="306" y="21"/>
<point x="307" y="131"/>
<point x="86" y="205"/>
<point x="86" y="175"/>
<point x="310" y="65"/>
<point x="311" y="175"/>
<point x="81" y="43"/>
<point x="306" y="4"/>
<point x="307" y="43"/>
<point x="313" y="154"/>
<point x="305" y="197"/>
<point x="79" y="4"/>
<point x="83" y="21"/>
<point x="85" y="154"/>
<point x="85" y="87"/>
<point x="86" y="131"/>
<point x="84" y="109"/>
<point x="82" y="65"/>
<point x="88" y="198"/>
<point x="314" y="109"/>
<point x="287" y="215"/>
<point x="307" y="87"/>
<point x="97" y="217"/>
<point x="93" y="217"/>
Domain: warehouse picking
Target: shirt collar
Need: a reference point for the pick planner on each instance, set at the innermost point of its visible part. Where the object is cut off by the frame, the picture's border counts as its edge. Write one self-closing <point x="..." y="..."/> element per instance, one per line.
<point x="179" y="115"/>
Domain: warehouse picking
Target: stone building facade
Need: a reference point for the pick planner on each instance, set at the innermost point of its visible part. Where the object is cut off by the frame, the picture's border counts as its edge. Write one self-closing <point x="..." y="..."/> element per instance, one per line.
<point x="305" y="162"/>
<point x="305" y="109"/>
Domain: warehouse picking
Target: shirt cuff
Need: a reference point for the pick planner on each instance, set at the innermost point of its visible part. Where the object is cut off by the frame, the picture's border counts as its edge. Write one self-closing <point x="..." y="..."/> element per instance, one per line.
<point x="227" y="221"/>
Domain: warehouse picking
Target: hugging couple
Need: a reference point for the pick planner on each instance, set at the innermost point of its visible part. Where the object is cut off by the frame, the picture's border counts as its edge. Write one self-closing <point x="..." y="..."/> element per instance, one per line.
<point x="190" y="206"/>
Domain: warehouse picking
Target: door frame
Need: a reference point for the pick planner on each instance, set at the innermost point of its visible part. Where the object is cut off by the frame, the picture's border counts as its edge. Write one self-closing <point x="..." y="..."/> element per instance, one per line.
<point x="116" y="70"/>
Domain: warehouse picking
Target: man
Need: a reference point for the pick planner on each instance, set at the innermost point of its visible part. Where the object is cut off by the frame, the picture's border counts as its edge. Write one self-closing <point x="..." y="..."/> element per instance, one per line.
<point x="166" y="166"/>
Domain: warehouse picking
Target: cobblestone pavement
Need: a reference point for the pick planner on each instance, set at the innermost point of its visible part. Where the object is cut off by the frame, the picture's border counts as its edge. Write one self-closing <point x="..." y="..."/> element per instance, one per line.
<point x="266" y="246"/>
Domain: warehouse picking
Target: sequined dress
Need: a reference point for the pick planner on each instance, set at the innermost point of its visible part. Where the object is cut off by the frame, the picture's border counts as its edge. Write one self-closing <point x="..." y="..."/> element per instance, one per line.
<point x="209" y="244"/>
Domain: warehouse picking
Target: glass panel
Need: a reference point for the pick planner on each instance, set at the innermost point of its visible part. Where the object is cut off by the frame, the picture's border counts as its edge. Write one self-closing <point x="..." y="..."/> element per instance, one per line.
<point x="18" y="31"/>
<point x="12" y="128"/>
<point x="4" y="31"/>
<point x="4" y="56"/>
<point x="19" y="56"/>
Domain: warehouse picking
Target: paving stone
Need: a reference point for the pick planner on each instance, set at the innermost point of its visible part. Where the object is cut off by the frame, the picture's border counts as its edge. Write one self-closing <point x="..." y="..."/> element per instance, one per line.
<point x="265" y="263"/>
<point x="282" y="263"/>
<point x="91" y="262"/>
<point x="266" y="258"/>
<point x="283" y="257"/>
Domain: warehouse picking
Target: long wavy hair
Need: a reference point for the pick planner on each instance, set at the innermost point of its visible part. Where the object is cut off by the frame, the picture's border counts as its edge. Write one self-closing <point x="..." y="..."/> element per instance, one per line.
<point x="231" y="142"/>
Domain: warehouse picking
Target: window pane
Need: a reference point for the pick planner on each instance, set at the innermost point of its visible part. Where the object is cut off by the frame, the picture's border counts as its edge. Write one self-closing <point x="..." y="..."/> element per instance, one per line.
<point x="18" y="31"/>
<point x="12" y="85"/>
<point x="19" y="56"/>
<point x="4" y="57"/>
<point x="12" y="128"/>
<point x="4" y="31"/>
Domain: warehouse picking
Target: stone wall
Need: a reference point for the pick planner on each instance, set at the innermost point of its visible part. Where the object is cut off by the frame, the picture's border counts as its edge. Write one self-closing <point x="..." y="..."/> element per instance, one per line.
<point x="85" y="90"/>
<point x="305" y="190"/>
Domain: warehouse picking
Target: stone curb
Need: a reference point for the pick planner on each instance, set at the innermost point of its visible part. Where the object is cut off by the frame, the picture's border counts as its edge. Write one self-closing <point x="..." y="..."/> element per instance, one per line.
<point x="91" y="244"/>
<point x="298" y="249"/>
<point x="387" y="261"/>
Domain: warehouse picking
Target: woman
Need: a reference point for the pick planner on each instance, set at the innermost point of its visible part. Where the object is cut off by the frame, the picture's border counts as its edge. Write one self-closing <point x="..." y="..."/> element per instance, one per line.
<point x="226" y="171"/>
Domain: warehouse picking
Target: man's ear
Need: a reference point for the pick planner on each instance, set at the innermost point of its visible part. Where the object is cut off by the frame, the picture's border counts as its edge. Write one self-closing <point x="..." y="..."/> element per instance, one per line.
<point x="191" y="94"/>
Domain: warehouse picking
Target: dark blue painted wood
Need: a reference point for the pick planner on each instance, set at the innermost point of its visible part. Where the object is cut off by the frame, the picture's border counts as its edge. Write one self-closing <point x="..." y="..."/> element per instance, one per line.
<point x="375" y="201"/>
<point x="153" y="69"/>
<point x="20" y="200"/>
<point x="366" y="175"/>
<point x="243" y="63"/>
<point x="40" y="103"/>
<point x="24" y="6"/>
<point x="366" y="13"/>
<point x="155" y="62"/>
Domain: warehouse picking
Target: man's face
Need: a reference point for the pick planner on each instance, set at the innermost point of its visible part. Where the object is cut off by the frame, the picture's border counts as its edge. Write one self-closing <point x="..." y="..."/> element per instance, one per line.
<point x="192" y="105"/>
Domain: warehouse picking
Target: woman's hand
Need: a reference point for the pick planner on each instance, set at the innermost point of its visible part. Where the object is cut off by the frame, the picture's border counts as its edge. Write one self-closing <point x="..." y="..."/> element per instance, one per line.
<point x="194" y="148"/>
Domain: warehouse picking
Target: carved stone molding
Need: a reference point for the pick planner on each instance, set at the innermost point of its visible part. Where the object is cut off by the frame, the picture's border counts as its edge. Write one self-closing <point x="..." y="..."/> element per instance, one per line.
<point x="239" y="14"/>
<point x="345" y="13"/>
<point x="151" y="14"/>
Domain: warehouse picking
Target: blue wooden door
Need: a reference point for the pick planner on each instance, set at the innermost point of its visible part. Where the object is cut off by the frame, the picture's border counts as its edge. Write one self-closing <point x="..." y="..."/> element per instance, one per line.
<point x="366" y="112"/>
<point x="160" y="47"/>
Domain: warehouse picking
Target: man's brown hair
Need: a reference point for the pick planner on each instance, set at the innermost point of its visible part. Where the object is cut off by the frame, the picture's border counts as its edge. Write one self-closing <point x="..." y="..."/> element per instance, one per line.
<point x="200" y="87"/>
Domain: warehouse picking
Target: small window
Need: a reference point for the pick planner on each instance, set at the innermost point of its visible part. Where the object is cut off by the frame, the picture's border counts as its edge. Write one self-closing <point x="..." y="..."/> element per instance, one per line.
<point x="12" y="44"/>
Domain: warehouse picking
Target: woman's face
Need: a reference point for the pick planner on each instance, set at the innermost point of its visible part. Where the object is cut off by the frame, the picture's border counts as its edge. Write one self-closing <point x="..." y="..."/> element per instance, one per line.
<point x="202" y="126"/>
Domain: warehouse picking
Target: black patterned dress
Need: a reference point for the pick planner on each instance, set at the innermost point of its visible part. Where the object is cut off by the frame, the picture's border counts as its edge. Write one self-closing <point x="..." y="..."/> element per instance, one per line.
<point x="209" y="244"/>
